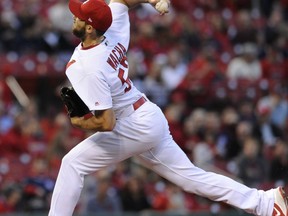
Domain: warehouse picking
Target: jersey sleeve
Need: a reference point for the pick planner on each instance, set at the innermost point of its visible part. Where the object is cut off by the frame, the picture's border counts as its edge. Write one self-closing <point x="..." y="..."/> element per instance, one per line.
<point x="96" y="92"/>
<point x="120" y="28"/>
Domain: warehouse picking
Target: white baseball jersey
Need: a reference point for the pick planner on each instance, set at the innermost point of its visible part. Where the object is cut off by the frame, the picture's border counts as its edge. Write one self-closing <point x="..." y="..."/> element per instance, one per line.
<point x="99" y="74"/>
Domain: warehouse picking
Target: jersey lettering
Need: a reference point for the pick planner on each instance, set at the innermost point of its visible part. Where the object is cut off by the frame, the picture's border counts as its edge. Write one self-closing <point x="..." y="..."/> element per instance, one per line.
<point x="112" y="61"/>
<point x="121" y="74"/>
<point x="116" y="55"/>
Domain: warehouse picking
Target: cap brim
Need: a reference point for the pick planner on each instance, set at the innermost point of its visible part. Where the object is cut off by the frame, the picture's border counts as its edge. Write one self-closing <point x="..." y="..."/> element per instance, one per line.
<point x="75" y="8"/>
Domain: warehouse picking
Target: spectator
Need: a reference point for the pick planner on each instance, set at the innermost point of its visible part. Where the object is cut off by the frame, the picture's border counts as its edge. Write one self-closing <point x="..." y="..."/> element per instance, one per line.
<point x="120" y="174"/>
<point x="279" y="163"/>
<point x="265" y="130"/>
<point x="277" y="105"/>
<point x="274" y="65"/>
<point x="30" y="27"/>
<point x="133" y="196"/>
<point x="246" y="111"/>
<point x="246" y="66"/>
<point x="9" y="25"/>
<point x="60" y="16"/>
<point x="137" y="68"/>
<point x="105" y="200"/>
<point x="245" y="31"/>
<point x="154" y="87"/>
<point x="58" y="37"/>
<point x="160" y="200"/>
<point x="15" y="141"/>
<point x="6" y="119"/>
<point x="10" y="201"/>
<point x="174" y="71"/>
<point x="228" y="144"/>
<point x="275" y="27"/>
<point x="37" y="187"/>
<point x="192" y="129"/>
<point x="253" y="168"/>
<point x="203" y="71"/>
<point x="176" y="200"/>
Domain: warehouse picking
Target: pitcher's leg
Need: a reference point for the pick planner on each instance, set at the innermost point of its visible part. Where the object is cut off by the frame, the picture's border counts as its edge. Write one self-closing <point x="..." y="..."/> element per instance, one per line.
<point x="90" y="155"/>
<point x="169" y="161"/>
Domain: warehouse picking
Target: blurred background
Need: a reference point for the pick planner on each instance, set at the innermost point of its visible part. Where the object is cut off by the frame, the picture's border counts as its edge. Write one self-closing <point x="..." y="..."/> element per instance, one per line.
<point x="217" y="68"/>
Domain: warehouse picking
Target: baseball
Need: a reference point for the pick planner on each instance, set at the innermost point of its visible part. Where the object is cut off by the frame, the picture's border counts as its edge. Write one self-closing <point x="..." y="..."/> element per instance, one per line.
<point x="162" y="7"/>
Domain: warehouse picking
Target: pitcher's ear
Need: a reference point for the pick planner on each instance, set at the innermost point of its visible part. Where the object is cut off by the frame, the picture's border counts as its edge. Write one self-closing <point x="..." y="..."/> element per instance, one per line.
<point x="89" y="28"/>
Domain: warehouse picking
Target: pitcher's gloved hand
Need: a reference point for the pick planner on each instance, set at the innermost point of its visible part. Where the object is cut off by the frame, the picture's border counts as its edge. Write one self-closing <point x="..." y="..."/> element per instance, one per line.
<point x="74" y="104"/>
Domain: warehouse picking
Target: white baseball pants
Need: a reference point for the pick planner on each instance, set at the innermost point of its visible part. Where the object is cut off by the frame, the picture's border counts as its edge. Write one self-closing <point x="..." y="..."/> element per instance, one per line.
<point x="145" y="133"/>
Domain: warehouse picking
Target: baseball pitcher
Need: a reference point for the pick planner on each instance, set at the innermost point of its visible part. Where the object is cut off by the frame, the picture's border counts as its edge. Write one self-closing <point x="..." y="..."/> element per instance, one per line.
<point x="102" y="98"/>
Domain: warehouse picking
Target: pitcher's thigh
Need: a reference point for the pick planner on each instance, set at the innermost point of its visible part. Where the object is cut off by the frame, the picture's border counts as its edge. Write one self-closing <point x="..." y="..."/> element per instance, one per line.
<point x="95" y="152"/>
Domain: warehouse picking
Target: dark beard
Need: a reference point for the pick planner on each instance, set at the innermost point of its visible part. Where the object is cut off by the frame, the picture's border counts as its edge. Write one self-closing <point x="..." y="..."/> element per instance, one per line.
<point x="79" y="33"/>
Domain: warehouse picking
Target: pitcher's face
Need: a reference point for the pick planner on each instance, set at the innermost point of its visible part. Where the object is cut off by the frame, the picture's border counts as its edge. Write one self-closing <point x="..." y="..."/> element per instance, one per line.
<point x="78" y="28"/>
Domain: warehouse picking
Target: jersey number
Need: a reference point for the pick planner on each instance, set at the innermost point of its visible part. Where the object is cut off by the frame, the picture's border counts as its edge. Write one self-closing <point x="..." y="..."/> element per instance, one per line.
<point x="128" y="82"/>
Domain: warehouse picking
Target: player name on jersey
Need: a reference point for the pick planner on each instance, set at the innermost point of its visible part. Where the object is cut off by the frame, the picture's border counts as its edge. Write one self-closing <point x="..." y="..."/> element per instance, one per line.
<point x="116" y="55"/>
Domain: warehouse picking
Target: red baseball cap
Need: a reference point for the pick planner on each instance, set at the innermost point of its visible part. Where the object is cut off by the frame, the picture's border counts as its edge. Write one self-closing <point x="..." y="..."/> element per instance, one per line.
<point x="94" y="12"/>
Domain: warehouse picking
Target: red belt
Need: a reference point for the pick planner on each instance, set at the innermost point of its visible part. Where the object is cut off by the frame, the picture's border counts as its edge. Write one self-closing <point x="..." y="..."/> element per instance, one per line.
<point x="139" y="103"/>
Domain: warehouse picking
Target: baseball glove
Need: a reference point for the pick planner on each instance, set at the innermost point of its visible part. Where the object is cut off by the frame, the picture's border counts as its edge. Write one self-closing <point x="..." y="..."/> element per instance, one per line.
<point x="74" y="104"/>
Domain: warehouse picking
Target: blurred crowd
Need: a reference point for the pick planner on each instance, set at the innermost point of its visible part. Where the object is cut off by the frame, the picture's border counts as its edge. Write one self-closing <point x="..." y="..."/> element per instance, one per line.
<point x="218" y="69"/>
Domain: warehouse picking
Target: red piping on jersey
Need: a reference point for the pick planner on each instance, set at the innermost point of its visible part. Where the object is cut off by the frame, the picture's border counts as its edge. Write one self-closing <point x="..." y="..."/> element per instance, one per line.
<point x="70" y="63"/>
<point x="89" y="47"/>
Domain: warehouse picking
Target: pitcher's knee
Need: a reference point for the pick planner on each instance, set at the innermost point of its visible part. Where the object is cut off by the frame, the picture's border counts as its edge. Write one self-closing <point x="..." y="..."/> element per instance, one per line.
<point x="188" y="186"/>
<point x="68" y="162"/>
<point x="75" y="164"/>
